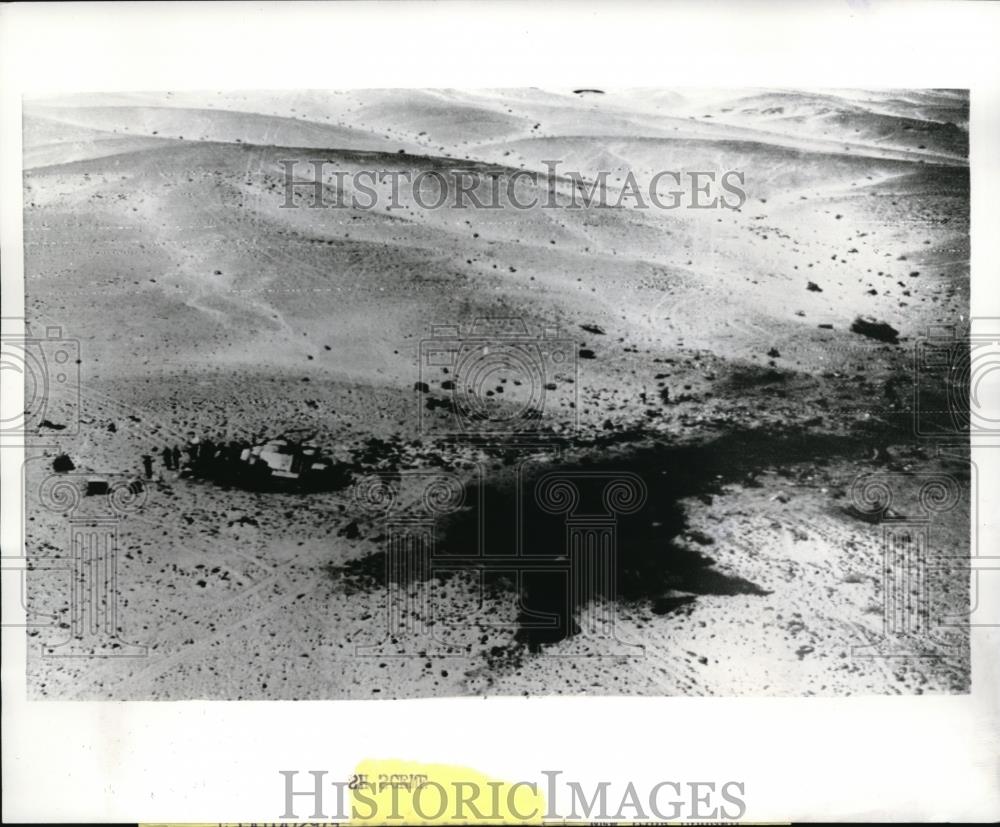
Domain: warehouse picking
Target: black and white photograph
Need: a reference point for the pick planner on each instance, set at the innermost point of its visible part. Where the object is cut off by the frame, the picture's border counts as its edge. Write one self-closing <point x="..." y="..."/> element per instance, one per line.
<point x="404" y="393"/>
<point x="456" y="412"/>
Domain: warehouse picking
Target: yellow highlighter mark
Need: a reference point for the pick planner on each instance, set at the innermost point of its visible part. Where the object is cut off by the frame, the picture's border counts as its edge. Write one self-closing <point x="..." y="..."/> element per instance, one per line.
<point x="392" y="791"/>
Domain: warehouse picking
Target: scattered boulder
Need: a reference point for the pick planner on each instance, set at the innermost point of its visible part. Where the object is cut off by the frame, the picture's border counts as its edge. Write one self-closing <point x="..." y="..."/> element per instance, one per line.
<point x="97" y="486"/>
<point x="867" y="326"/>
<point x="593" y="328"/>
<point x="433" y="404"/>
<point x="62" y="463"/>
<point x="815" y="288"/>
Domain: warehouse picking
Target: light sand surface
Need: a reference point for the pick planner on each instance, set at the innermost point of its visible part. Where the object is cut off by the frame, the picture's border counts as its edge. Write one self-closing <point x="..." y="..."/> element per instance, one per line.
<point x="155" y="235"/>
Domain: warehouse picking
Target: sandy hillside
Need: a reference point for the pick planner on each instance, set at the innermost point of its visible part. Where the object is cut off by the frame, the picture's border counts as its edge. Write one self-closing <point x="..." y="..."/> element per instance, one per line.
<point x="712" y="355"/>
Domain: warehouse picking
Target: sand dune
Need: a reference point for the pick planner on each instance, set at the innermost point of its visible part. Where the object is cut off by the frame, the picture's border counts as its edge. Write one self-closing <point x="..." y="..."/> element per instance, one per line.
<point x="157" y="231"/>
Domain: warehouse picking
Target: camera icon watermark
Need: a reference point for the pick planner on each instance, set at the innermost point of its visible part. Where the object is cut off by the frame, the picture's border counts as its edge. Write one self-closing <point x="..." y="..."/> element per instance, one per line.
<point x="589" y="505"/>
<point x="497" y="380"/>
<point x="957" y="384"/>
<point x="47" y="365"/>
<point x="924" y="586"/>
<point x="94" y="507"/>
<point x="409" y="506"/>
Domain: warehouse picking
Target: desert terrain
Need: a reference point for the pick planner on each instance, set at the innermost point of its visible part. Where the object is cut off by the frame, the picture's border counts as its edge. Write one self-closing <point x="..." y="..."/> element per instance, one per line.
<point x="715" y="355"/>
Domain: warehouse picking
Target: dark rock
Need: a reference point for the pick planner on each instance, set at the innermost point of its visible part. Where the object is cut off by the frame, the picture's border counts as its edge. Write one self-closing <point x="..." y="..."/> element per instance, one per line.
<point x="62" y="463"/>
<point x="880" y="331"/>
<point x="433" y="404"/>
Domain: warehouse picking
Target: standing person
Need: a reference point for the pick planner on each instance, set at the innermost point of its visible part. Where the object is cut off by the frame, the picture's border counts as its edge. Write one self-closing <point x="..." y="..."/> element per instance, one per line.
<point x="206" y="452"/>
<point x="147" y="465"/>
<point x="168" y="458"/>
<point x="175" y="455"/>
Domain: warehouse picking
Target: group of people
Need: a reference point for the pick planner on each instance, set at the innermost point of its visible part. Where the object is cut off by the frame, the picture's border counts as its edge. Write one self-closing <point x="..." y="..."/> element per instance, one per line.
<point x="196" y="455"/>
<point x="238" y="463"/>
